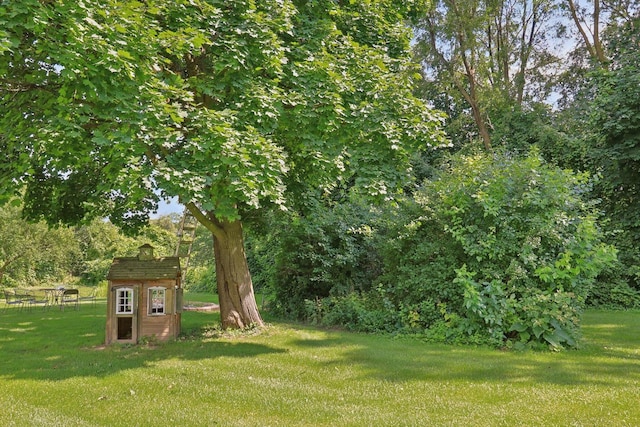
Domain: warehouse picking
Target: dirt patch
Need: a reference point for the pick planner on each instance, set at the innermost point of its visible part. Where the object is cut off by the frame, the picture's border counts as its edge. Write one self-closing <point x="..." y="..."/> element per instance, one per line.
<point x="195" y="306"/>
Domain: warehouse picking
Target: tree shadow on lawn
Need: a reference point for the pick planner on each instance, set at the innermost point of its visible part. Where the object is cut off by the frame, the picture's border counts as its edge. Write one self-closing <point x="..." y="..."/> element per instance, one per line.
<point x="47" y="346"/>
<point x="54" y="345"/>
<point x="404" y="360"/>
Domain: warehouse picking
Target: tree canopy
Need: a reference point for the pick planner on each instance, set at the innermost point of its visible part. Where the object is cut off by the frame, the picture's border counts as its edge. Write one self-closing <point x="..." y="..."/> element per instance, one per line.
<point x="230" y="106"/>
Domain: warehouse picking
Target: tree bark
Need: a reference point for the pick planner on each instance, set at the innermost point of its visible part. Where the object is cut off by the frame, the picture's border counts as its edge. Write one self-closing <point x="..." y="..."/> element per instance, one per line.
<point x="469" y="95"/>
<point x="238" y="308"/>
<point x="595" y="48"/>
<point x="472" y="98"/>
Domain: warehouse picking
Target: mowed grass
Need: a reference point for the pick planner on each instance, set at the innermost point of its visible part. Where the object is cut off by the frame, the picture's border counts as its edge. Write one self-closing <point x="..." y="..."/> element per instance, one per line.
<point x="54" y="371"/>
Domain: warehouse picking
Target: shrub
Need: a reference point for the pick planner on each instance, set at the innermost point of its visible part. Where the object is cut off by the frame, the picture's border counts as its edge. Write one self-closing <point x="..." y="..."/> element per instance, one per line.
<point x="361" y="312"/>
<point x="614" y="294"/>
<point x="419" y="261"/>
<point x="530" y="246"/>
<point x="501" y="250"/>
<point x="329" y="253"/>
<point x="507" y="246"/>
<point x="201" y="279"/>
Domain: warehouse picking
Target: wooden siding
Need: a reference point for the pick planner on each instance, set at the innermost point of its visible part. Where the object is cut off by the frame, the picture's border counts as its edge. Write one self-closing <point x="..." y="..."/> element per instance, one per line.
<point x="163" y="327"/>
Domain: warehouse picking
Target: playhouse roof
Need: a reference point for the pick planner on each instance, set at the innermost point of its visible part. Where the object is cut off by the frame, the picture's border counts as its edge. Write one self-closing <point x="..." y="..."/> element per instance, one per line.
<point x="133" y="268"/>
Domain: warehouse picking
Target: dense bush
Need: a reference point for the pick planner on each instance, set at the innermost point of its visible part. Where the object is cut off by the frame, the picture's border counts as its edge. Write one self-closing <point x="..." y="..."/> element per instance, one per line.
<point x="419" y="259"/>
<point x="361" y="312"/>
<point x="496" y="249"/>
<point x="329" y="253"/>
<point x="516" y="249"/>
<point x="613" y="291"/>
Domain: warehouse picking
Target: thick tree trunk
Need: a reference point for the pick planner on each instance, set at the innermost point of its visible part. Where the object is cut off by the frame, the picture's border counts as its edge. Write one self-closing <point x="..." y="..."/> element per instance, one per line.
<point x="238" y="308"/>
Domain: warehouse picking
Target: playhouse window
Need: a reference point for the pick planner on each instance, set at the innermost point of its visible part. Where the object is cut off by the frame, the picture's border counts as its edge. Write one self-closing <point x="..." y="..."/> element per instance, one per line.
<point x="124" y="301"/>
<point x="157" y="300"/>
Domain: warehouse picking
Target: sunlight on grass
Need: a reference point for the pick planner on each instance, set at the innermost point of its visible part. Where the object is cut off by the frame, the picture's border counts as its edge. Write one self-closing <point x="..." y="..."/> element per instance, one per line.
<point x="297" y="375"/>
<point x="22" y="329"/>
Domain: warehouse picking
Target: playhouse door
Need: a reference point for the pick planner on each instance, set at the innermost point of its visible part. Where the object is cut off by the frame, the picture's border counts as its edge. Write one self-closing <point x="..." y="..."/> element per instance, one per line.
<point x="126" y="314"/>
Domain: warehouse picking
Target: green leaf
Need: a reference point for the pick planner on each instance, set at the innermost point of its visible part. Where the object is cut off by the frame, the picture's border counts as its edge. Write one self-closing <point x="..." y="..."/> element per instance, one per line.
<point x="518" y="327"/>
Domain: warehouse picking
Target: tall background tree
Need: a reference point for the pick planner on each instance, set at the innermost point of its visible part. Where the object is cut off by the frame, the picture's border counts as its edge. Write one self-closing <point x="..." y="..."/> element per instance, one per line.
<point x="489" y="57"/>
<point x="615" y="142"/>
<point x="33" y="252"/>
<point x="231" y="106"/>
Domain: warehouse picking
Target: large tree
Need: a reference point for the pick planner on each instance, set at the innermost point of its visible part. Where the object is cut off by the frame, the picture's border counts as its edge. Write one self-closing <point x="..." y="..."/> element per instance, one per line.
<point x="615" y="149"/>
<point x="593" y="18"/>
<point x="488" y="57"/>
<point x="233" y="106"/>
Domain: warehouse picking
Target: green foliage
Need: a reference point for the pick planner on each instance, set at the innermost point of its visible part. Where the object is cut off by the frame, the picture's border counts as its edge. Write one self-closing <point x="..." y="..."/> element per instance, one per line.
<point x="330" y="252"/>
<point x="419" y="261"/>
<point x="613" y="291"/>
<point x="230" y="105"/>
<point x="359" y="312"/>
<point x="502" y="250"/>
<point x="498" y="249"/>
<point x="617" y="109"/>
<point x="615" y="125"/>
<point x="201" y="279"/>
<point x="531" y="248"/>
<point x="32" y="253"/>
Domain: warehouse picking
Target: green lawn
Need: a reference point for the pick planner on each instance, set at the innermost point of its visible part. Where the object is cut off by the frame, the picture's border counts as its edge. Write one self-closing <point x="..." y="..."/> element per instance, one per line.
<point x="55" y="372"/>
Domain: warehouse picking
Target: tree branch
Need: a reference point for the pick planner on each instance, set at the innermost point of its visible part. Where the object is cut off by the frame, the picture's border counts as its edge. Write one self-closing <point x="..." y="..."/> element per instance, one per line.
<point x="576" y="20"/>
<point x="205" y="220"/>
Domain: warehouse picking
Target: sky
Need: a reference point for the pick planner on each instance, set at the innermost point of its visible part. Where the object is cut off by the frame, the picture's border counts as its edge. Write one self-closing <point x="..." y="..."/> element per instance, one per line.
<point x="165" y="208"/>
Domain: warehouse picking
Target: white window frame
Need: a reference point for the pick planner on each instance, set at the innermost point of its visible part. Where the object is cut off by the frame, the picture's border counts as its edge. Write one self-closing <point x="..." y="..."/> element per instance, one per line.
<point x="124" y="301"/>
<point x="159" y="310"/>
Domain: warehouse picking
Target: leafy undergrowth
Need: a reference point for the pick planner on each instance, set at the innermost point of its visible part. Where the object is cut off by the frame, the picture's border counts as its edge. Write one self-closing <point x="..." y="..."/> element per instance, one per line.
<point x="55" y="371"/>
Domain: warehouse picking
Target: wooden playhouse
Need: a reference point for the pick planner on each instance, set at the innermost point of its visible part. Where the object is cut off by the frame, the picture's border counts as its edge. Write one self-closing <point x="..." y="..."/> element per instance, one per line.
<point x="144" y="298"/>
